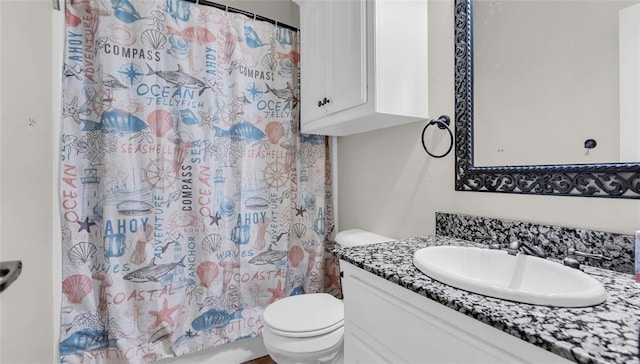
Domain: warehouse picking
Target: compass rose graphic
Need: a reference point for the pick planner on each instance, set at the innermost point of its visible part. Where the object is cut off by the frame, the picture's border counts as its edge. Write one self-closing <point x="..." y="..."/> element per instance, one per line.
<point x="255" y="91"/>
<point x="131" y="73"/>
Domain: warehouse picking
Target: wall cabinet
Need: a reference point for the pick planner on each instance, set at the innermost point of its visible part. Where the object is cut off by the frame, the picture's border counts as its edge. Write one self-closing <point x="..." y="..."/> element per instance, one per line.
<point x="386" y="323"/>
<point x="363" y="65"/>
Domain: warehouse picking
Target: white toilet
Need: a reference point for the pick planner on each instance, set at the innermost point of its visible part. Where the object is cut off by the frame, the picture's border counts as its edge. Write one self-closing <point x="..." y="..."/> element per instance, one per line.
<point x="309" y="328"/>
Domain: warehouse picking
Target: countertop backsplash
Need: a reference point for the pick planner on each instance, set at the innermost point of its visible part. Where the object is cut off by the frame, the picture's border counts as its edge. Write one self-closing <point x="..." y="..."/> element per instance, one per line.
<point x="555" y="240"/>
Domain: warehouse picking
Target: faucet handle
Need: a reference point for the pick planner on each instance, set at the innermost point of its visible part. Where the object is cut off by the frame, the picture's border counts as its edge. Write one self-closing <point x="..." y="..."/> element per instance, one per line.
<point x="574" y="252"/>
<point x="571" y="259"/>
<point x="571" y="262"/>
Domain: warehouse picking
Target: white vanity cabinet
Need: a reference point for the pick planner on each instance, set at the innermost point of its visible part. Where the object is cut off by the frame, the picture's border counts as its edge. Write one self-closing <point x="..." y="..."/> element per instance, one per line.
<point x="363" y="64"/>
<point x="386" y="323"/>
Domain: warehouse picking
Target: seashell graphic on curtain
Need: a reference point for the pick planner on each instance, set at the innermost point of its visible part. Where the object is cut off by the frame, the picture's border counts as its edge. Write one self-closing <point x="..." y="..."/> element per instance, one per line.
<point x="189" y="200"/>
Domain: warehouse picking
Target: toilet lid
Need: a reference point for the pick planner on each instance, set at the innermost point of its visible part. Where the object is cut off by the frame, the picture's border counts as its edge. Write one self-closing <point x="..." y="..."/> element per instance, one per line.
<point x="305" y="315"/>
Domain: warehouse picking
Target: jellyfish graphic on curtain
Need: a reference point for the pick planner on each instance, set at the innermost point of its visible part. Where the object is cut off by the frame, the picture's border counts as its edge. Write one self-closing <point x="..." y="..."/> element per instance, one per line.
<point x="189" y="199"/>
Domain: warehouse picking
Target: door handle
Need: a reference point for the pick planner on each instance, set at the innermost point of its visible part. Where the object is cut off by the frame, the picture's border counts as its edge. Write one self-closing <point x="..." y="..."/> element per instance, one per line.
<point x="9" y="272"/>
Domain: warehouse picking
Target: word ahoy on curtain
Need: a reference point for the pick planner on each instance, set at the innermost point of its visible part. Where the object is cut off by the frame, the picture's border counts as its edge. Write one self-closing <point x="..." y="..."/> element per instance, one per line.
<point x="189" y="199"/>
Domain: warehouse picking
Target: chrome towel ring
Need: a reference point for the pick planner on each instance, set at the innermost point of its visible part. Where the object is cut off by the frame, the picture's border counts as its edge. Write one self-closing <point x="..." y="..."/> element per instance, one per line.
<point x="443" y="123"/>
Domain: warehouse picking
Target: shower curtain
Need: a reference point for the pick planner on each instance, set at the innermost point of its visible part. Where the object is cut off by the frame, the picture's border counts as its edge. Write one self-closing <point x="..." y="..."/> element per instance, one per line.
<point x="189" y="199"/>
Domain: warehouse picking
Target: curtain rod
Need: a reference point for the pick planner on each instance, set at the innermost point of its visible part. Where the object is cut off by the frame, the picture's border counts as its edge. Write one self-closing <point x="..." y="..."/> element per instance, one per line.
<point x="245" y="13"/>
<point x="56" y="6"/>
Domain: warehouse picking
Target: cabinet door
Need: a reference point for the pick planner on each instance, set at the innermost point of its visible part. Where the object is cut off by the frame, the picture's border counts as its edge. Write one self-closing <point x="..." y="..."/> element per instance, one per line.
<point x="314" y="41"/>
<point x="348" y="48"/>
<point x="360" y="348"/>
<point x="400" y="326"/>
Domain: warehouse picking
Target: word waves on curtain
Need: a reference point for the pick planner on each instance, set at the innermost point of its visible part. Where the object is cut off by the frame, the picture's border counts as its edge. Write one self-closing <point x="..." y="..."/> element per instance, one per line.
<point x="190" y="200"/>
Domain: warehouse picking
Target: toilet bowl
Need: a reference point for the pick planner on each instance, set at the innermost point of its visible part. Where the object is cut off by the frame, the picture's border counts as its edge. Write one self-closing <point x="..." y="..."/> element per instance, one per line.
<point x="309" y="328"/>
<point x="304" y="329"/>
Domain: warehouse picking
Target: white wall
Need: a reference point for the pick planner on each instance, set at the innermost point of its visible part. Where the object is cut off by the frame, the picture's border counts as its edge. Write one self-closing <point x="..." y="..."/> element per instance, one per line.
<point x="31" y="47"/>
<point x="389" y="185"/>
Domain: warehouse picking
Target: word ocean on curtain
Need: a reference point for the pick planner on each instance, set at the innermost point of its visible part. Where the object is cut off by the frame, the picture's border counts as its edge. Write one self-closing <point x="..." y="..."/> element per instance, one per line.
<point x="189" y="199"/>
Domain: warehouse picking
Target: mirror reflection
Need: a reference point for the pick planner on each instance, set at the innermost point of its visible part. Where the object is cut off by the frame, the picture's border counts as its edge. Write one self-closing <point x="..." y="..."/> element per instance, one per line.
<point x="556" y="82"/>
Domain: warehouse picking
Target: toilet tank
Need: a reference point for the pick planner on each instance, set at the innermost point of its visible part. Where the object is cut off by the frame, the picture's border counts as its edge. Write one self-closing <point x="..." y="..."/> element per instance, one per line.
<point x="357" y="237"/>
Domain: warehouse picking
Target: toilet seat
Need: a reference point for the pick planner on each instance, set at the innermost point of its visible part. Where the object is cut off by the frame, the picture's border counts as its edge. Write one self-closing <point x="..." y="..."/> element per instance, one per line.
<point x="296" y="334"/>
<point x="296" y="316"/>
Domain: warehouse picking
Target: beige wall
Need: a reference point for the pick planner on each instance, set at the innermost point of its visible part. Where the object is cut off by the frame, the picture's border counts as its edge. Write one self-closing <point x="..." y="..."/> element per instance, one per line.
<point x="26" y="175"/>
<point x="389" y="185"/>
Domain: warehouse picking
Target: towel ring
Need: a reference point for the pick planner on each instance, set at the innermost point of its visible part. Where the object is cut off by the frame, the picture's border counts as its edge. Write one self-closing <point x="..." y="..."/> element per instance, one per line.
<point x="443" y="123"/>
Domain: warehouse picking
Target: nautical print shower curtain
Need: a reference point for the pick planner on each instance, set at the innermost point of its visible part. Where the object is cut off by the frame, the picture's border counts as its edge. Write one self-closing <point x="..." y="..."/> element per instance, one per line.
<point x="189" y="199"/>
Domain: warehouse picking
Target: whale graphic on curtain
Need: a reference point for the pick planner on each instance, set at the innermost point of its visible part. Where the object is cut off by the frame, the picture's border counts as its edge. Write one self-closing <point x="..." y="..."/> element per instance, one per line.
<point x="189" y="199"/>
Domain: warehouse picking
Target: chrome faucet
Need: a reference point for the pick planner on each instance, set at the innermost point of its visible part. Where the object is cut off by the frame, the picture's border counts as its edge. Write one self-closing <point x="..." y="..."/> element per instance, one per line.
<point x="517" y="246"/>
<point x="571" y="259"/>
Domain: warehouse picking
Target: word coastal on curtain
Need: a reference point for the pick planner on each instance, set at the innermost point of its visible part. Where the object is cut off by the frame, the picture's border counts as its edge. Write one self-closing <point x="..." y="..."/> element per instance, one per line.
<point x="189" y="199"/>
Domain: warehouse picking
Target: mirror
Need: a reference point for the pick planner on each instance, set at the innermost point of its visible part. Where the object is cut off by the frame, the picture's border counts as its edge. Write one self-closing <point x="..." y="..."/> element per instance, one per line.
<point x="518" y="88"/>
<point x="547" y="78"/>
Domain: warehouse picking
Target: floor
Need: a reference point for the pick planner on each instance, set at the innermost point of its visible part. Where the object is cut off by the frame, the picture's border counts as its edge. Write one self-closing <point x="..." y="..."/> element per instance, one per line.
<point x="262" y="360"/>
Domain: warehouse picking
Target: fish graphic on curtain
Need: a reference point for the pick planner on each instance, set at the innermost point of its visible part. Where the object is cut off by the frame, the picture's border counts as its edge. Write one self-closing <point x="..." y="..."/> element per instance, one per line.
<point x="189" y="199"/>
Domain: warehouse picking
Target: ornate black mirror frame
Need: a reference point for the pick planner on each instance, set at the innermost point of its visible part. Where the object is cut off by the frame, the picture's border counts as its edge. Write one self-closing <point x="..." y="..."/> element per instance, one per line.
<point x="620" y="180"/>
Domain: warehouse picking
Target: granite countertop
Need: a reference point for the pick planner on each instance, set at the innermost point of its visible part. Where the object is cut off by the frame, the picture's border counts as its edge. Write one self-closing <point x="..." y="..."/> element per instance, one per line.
<point x="606" y="333"/>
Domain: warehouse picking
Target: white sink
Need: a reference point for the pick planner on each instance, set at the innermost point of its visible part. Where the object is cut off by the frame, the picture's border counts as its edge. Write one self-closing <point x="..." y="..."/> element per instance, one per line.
<point x="519" y="278"/>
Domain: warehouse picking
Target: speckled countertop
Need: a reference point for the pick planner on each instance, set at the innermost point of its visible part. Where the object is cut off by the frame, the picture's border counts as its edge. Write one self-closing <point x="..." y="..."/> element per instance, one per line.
<point x="606" y="333"/>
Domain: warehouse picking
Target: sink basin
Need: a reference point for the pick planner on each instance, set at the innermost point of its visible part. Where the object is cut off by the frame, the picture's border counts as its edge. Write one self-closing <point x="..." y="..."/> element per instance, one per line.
<point x="519" y="278"/>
